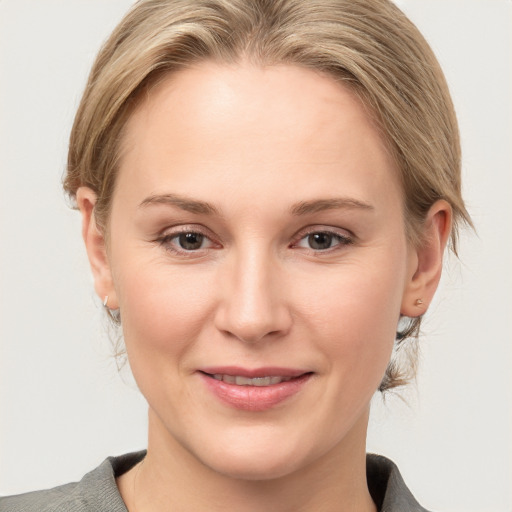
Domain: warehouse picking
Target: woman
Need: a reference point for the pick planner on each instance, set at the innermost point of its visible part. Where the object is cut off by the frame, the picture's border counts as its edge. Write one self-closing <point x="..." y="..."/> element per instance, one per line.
<point x="267" y="189"/>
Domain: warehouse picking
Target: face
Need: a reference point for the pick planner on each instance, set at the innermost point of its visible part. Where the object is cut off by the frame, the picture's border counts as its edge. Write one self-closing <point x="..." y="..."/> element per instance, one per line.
<point x="258" y="256"/>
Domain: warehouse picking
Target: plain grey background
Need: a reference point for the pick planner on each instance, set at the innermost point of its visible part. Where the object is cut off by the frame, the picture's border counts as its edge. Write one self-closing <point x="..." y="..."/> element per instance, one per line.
<point x="63" y="406"/>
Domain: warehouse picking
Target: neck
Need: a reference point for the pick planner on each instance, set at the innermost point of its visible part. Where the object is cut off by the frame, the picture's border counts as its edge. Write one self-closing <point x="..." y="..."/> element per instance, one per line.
<point x="171" y="478"/>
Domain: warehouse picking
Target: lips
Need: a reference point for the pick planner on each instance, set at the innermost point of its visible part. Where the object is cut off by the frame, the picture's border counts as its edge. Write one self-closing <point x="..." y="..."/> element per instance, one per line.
<point x="240" y="380"/>
<point x="254" y="389"/>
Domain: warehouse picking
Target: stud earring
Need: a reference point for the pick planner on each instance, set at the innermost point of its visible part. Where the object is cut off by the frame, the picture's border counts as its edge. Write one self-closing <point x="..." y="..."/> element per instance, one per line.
<point x="418" y="302"/>
<point x="105" y="301"/>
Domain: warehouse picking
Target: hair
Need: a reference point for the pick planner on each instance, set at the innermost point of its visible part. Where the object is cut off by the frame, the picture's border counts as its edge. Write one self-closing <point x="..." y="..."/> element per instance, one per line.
<point x="369" y="46"/>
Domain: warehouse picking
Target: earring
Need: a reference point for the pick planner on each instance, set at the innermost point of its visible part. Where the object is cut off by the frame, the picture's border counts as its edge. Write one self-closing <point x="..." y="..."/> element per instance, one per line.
<point x="113" y="314"/>
<point x="418" y="302"/>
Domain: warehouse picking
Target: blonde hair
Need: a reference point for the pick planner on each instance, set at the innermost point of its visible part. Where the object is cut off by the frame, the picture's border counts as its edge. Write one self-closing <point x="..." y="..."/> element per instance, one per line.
<point x="368" y="45"/>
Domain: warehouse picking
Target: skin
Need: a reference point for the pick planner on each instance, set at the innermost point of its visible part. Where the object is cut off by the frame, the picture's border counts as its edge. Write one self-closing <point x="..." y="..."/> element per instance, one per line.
<point x="262" y="152"/>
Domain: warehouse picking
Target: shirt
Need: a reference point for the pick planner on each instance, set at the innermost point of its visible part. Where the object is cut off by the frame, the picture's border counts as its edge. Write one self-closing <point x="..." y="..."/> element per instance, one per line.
<point x="98" y="492"/>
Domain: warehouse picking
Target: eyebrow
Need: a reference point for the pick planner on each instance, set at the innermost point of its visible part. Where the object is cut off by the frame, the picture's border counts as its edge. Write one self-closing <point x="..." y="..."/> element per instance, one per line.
<point x="182" y="202"/>
<point x="318" y="205"/>
<point x="298" y="209"/>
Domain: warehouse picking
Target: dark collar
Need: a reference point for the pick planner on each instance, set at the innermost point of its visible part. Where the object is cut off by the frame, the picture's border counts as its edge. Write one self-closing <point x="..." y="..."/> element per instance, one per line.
<point x="387" y="487"/>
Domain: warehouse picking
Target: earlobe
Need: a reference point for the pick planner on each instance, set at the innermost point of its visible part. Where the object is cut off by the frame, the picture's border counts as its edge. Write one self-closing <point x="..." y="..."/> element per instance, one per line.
<point x="426" y="261"/>
<point x="96" y="249"/>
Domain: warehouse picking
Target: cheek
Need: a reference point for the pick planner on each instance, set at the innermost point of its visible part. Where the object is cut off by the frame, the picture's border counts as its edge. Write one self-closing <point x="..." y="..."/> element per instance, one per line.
<point x="354" y="316"/>
<point x="163" y="313"/>
<point x="163" y="308"/>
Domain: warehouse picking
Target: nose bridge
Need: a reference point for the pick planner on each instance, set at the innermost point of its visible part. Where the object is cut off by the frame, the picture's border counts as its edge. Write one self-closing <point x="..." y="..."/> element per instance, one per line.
<point x="253" y="305"/>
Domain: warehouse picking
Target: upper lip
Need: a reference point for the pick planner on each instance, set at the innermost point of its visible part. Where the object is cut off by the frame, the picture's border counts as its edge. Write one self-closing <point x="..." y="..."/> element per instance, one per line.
<point x="251" y="373"/>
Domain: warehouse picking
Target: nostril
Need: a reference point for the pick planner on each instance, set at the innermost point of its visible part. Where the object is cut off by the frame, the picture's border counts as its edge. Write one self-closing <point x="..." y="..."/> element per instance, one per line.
<point x="252" y="334"/>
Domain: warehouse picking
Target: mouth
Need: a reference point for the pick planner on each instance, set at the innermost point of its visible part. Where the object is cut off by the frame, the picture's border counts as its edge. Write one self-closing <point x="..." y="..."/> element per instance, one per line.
<point x="240" y="380"/>
<point x="254" y="390"/>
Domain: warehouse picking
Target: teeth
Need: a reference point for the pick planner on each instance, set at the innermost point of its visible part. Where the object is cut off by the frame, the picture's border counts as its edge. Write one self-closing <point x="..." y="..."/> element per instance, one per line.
<point x="246" y="381"/>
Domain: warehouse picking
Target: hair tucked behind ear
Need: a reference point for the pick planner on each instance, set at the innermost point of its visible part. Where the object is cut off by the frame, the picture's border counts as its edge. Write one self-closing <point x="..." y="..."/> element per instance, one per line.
<point x="402" y="366"/>
<point x="368" y="45"/>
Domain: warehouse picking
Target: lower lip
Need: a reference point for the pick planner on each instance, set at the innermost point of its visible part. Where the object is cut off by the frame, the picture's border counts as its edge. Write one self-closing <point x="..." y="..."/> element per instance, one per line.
<point x="254" y="398"/>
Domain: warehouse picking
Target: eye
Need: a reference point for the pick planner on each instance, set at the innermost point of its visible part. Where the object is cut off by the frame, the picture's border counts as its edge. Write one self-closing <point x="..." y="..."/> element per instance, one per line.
<point x="186" y="241"/>
<point x="190" y="241"/>
<point x="323" y="240"/>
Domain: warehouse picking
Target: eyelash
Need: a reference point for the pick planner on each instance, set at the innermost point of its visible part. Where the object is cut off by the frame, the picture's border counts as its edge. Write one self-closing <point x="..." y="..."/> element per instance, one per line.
<point x="342" y="239"/>
<point x="166" y="240"/>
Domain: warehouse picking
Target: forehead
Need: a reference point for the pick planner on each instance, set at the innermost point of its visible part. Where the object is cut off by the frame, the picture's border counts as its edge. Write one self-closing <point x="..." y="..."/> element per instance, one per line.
<point x="285" y="123"/>
<point x="245" y="94"/>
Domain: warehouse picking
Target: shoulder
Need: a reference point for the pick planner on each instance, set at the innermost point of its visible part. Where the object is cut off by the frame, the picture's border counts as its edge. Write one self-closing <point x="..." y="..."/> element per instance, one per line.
<point x="387" y="486"/>
<point x="62" y="498"/>
<point x="97" y="491"/>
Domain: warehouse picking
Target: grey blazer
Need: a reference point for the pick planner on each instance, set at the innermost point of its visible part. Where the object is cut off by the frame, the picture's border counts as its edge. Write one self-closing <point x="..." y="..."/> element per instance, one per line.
<point x="97" y="491"/>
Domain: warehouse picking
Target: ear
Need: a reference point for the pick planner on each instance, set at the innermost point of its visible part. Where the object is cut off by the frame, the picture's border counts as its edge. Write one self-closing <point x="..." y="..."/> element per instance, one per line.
<point x="426" y="260"/>
<point x="96" y="249"/>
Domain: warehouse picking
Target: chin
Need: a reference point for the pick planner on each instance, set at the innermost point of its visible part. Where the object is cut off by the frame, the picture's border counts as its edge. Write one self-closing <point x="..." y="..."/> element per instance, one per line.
<point x="261" y="468"/>
<point x="265" y="458"/>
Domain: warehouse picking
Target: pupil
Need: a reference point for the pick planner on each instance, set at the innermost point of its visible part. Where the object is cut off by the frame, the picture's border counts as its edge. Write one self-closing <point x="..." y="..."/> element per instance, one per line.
<point x="191" y="241"/>
<point x="320" y="241"/>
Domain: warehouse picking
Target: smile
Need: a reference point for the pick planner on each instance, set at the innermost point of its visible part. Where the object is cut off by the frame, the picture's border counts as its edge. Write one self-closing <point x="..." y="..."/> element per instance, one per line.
<point x="240" y="380"/>
<point x="254" y="390"/>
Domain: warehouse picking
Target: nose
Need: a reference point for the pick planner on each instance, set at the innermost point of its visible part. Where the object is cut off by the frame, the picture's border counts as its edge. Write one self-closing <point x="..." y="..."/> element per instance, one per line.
<point x="253" y="304"/>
